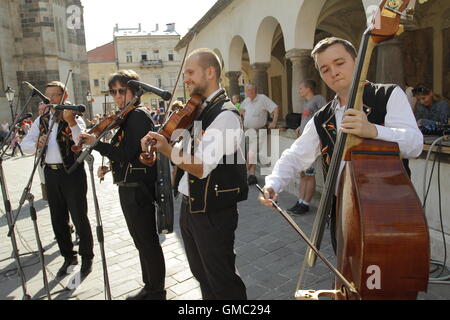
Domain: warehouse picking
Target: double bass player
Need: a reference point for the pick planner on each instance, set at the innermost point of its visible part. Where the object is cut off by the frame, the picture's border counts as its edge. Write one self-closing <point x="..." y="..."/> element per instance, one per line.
<point x="387" y="117"/>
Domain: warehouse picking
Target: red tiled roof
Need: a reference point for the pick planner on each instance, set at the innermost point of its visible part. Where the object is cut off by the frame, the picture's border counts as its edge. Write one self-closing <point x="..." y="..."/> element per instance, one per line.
<point x="104" y="53"/>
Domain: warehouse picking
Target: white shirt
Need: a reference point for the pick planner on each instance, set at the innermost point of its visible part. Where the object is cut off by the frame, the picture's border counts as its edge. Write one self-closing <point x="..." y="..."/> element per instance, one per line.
<point x="215" y="143"/>
<point x="256" y="111"/>
<point x="400" y="127"/>
<point x="53" y="155"/>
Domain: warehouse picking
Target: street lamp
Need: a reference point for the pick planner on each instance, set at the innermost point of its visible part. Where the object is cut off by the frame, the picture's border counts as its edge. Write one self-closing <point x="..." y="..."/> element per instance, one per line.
<point x="10" y="97"/>
<point x="89" y="99"/>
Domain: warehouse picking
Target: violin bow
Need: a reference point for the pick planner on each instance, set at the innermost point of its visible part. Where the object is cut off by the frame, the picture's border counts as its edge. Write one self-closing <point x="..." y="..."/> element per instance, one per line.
<point x="311" y="245"/>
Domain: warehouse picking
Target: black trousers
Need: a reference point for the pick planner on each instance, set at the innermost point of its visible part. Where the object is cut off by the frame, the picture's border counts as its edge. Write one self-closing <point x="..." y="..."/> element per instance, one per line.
<point x="209" y="242"/>
<point x="67" y="194"/>
<point x="139" y="211"/>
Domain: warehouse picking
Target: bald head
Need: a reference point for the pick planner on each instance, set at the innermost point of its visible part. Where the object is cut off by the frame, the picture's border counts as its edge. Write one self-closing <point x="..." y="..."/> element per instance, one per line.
<point x="207" y="58"/>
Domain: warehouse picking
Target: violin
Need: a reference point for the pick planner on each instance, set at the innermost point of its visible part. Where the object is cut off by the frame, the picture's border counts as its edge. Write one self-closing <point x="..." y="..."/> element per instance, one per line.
<point x="109" y="123"/>
<point x="179" y="119"/>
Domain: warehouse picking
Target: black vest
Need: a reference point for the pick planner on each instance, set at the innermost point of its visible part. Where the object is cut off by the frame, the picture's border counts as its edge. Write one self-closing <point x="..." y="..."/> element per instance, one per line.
<point x="63" y="138"/>
<point x="375" y="99"/>
<point x="227" y="183"/>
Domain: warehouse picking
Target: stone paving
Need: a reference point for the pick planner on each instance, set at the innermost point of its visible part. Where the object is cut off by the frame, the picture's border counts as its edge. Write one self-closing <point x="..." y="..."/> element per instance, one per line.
<point x="269" y="251"/>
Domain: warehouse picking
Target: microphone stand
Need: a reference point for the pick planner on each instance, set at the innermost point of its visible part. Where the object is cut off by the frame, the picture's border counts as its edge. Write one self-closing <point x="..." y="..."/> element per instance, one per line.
<point x="7" y="204"/>
<point x="99" y="229"/>
<point x="33" y="215"/>
<point x="27" y="195"/>
<point x="8" y="213"/>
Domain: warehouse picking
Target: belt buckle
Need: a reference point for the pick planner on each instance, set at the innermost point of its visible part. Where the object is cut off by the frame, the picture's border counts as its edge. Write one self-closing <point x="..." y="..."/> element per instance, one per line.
<point x="54" y="166"/>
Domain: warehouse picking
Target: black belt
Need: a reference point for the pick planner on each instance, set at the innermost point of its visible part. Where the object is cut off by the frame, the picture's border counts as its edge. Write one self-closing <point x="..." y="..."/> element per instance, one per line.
<point x="129" y="184"/>
<point x="55" y="166"/>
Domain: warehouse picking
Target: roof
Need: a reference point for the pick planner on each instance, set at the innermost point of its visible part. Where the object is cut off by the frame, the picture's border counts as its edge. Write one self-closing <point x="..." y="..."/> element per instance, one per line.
<point x="215" y="10"/>
<point x="104" y="53"/>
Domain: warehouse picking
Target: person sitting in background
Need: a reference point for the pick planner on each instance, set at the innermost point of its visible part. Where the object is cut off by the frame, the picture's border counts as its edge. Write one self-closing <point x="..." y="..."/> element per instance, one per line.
<point x="431" y="108"/>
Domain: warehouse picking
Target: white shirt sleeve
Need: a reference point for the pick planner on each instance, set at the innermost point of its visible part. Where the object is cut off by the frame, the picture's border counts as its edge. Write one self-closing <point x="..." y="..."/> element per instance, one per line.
<point x="401" y="126"/>
<point x="221" y="138"/>
<point x="77" y="129"/>
<point x="299" y="157"/>
<point x="28" y="143"/>
<point x="269" y="105"/>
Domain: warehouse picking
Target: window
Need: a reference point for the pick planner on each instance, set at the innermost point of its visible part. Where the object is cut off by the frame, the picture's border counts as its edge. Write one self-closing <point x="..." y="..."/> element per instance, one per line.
<point x="96" y="83"/>
<point x="171" y="55"/>
<point x="129" y="55"/>
<point x="103" y="84"/>
<point x="144" y="55"/>
<point x="158" y="81"/>
<point x="172" y="78"/>
<point x="156" y="54"/>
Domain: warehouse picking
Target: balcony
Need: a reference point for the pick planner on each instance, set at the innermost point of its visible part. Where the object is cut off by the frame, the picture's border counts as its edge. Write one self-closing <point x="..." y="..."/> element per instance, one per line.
<point x="156" y="63"/>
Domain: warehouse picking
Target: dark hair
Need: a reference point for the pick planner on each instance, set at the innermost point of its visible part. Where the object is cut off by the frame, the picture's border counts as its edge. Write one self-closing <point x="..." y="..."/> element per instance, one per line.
<point x="420" y="89"/>
<point x="311" y="84"/>
<point x="208" y="58"/>
<point x="324" y="44"/>
<point x="123" y="76"/>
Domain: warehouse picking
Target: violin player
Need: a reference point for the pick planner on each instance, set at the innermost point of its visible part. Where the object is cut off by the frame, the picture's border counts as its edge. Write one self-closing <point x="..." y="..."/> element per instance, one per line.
<point x="387" y="116"/>
<point x="66" y="193"/>
<point x="136" y="184"/>
<point x="210" y="185"/>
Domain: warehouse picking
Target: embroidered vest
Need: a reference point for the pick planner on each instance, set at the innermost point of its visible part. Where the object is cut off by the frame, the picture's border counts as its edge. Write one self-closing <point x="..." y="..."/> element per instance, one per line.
<point x="375" y="99"/>
<point x="227" y="183"/>
<point x="63" y="138"/>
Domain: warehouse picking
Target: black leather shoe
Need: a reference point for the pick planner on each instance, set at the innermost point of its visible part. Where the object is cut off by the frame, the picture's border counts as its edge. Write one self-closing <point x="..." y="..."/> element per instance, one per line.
<point x="67" y="263"/>
<point x="145" y="294"/>
<point x="140" y="295"/>
<point x="86" y="266"/>
<point x="299" y="209"/>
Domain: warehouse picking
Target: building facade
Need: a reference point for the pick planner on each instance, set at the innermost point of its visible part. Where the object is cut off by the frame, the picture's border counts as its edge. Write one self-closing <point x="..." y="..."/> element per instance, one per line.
<point x="42" y="41"/>
<point x="102" y="63"/>
<point x="152" y="55"/>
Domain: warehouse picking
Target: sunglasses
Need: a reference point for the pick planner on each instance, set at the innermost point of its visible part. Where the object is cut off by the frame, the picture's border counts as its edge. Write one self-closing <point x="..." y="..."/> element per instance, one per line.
<point x="121" y="91"/>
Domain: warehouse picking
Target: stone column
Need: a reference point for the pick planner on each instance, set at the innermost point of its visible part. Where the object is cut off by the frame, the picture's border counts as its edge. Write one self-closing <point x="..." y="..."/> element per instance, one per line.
<point x="390" y="63"/>
<point x="302" y="64"/>
<point x="233" y="78"/>
<point x="261" y="78"/>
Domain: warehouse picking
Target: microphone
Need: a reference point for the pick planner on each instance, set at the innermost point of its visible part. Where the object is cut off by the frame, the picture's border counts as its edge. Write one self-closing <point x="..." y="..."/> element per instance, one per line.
<point x="77" y="108"/>
<point x="25" y="116"/>
<point x="37" y="92"/>
<point x="165" y="95"/>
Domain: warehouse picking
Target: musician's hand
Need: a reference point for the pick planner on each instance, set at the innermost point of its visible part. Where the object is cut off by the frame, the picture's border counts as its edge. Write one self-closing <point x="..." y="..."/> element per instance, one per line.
<point x="298" y="132"/>
<point x="269" y="196"/>
<point x="272" y="125"/>
<point x="69" y="117"/>
<point x="355" y="122"/>
<point x="161" y="143"/>
<point x="102" y="171"/>
<point x="41" y="141"/>
<point x="88" y="139"/>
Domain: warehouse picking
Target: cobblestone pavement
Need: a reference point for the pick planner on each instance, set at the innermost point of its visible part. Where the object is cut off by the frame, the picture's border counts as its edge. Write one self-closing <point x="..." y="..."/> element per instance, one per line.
<point x="269" y="251"/>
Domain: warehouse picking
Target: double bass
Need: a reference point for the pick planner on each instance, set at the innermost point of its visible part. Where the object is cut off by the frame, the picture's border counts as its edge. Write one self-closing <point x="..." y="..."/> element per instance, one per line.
<point x="381" y="229"/>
